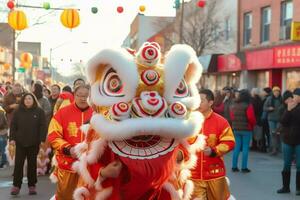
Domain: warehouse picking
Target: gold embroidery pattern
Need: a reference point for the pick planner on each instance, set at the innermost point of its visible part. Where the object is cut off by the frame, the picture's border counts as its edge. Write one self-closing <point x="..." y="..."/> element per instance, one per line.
<point x="72" y="129"/>
<point x="212" y="140"/>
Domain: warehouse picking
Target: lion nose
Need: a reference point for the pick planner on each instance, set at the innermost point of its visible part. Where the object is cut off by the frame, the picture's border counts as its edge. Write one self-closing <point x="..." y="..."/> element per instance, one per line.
<point x="152" y="94"/>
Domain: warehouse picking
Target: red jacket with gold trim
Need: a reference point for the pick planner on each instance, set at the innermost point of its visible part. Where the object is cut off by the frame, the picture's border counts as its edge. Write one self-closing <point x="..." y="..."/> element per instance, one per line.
<point x="64" y="132"/>
<point x="220" y="138"/>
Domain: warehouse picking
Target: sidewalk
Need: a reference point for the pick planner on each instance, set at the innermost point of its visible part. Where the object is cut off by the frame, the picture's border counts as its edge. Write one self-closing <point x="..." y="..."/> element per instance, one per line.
<point x="45" y="188"/>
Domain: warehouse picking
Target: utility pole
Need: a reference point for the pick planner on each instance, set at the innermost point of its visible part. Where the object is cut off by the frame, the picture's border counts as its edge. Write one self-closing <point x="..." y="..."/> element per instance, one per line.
<point x="181" y="22"/>
<point x="14" y="55"/>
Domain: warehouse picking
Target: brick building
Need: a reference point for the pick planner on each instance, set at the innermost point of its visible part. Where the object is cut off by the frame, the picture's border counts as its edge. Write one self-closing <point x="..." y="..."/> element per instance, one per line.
<point x="272" y="57"/>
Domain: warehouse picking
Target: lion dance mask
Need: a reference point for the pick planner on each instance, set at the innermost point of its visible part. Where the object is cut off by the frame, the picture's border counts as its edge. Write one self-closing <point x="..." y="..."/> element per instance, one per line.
<point x="145" y="114"/>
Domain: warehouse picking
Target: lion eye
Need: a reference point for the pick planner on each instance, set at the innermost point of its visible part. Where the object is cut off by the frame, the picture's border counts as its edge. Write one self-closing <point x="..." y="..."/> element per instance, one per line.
<point x="111" y="84"/>
<point x="182" y="90"/>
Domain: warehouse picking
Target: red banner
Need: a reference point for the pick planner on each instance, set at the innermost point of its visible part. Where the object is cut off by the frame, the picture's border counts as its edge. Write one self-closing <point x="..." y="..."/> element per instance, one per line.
<point x="229" y="63"/>
<point x="287" y="56"/>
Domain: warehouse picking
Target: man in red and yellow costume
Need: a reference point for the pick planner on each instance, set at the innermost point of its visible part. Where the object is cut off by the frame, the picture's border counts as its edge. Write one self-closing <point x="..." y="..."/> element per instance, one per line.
<point x="64" y="134"/>
<point x="144" y="110"/>
<point x="209" y="175"/>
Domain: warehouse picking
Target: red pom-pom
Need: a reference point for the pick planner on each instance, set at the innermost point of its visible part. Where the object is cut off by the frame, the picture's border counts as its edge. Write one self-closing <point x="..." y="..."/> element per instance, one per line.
<point x="120" y="9"/>
<point x="201" y="3"/>
<point x="10" y="4"/>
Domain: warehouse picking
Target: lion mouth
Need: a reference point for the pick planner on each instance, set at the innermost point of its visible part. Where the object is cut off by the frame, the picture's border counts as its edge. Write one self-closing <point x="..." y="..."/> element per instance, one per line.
<point x="143" y="147"/>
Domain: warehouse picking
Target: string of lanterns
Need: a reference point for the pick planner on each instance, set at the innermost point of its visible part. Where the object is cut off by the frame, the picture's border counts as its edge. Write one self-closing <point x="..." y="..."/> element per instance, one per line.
<point x="70" y="18"/>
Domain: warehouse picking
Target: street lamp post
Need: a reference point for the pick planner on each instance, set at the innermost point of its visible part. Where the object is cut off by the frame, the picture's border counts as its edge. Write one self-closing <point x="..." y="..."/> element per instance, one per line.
<point x="50" y="56"/>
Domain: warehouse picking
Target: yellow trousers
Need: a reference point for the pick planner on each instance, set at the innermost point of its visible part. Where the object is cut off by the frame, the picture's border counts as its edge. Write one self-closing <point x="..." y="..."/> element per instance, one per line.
<point x="211" y="190"/>
<point x="66" y="184"/>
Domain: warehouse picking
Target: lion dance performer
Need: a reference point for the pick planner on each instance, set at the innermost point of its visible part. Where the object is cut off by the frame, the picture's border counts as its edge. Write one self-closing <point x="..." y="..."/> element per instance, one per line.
<point x="63" y="134"/>
<point x="145" y="111"/>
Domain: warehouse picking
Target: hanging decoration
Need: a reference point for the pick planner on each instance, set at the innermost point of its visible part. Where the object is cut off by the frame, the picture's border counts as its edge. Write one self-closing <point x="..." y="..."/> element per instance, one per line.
<point x="142" y="8"/>
<point x="94" y="10"/>
<point x="120" y="9"/>
<point x="201" y="3"/>
<point x="26" y="60"/>
<point x="17" y="20"/>
<point x="6" y="66"/>
<point x="10" y="4"/>
<point x="70" y="18"/>
<point x="46" y="5"/>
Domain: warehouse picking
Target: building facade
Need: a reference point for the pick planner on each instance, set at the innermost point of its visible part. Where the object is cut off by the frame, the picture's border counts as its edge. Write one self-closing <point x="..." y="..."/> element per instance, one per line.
<point x="269" y="38"/>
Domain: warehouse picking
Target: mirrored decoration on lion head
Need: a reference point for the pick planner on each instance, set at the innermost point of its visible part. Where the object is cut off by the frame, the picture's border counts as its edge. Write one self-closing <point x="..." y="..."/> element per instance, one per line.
<point x="144" y="106"/>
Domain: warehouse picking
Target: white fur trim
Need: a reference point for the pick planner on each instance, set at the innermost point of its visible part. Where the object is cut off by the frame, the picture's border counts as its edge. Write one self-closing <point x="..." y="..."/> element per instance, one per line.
<point x="121" y="61"/>
<point x="81" y="193"/>
<point x="54" y="161"/>
<point x="227" y="180"/>
<point x="188" y="190"/>
<point x="104" y="194"/>
<point x="81" y="168"/>
<point x="173" y="128"/>
<point x="232" y="198"/>
<point x="182" y="62"/>
<point x="172" y="191"/>
<point x="98" y="183"/>
<point x="53" y="178"/>
<point x="85" y="128"/>
<point x="80" y="148"/>
<point x="96" y="150"/>
<point x="184" y="175"/>
<point x="53" y="198"/>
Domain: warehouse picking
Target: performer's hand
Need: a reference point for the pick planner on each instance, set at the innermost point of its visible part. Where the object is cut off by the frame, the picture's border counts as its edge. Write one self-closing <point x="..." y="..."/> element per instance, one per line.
<point x="112" y="170"/>
<point x="207" y="151"/>
<point x="179" y="157"/>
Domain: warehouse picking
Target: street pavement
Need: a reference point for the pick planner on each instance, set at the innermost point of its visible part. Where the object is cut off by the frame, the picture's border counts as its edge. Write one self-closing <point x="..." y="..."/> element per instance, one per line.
<point x="260" y="184"/>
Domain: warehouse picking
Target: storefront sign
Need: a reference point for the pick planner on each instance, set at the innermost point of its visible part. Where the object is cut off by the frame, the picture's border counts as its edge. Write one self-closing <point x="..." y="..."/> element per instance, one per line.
<point x="295" y="31"/>
<point x="261" y="59"/>
<point x="229" y="63"/>
<point x="287" y="56"/>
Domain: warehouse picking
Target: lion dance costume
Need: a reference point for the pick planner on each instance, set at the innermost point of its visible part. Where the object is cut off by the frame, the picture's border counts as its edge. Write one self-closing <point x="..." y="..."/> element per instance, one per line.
<point x="146" y="114"/>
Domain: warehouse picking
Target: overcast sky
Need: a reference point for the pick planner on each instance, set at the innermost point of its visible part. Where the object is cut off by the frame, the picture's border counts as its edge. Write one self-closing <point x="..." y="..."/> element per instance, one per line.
<point x="107" y="28"/>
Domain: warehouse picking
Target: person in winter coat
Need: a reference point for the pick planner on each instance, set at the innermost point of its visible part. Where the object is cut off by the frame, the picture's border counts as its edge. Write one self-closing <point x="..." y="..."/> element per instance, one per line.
<point x="258" y="109"/>
<point x="266" y="92"/>
<point x="291" y="141"/>
<point x="43" y="101"/>
<point x="243" y="121"/>
<point x="3" y="137"/>
<point x="272" y="107"/>
<point x="227" y="101"/>
<point x="218" y="106"/>
<point x="27" y="131"/>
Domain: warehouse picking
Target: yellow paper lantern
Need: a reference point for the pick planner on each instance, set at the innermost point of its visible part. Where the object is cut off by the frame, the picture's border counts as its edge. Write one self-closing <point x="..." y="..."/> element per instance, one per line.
<point x="6" y="66"/>
<point x="142" y="8"/>
<point x="26" y="58"/>
<point x="17" y="20"/>
<point x="70" y="18"/>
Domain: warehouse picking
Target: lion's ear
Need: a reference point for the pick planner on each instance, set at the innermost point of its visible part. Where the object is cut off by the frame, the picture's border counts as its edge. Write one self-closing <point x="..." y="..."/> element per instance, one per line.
<point x="113" y="76"/>
<point x="182" y="72"/>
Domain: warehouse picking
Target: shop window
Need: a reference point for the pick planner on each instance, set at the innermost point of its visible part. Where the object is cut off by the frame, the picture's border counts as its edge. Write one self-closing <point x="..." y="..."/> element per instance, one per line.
<point x="247" y="28"/>
<point x="286" y="19"/>
<point x="292" y="80"/>
<point x="265" y="24"/>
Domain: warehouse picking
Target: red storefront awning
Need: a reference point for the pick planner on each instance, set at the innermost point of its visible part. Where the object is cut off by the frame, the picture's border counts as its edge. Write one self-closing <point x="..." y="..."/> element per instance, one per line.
<point x="274" y="58"/>
<point x="262" y="59"/>
<point x="229" y="63"/>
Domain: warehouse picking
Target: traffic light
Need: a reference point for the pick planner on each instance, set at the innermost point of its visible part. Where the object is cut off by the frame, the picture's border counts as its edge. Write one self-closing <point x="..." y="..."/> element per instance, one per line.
<point x="176" y="4"/>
